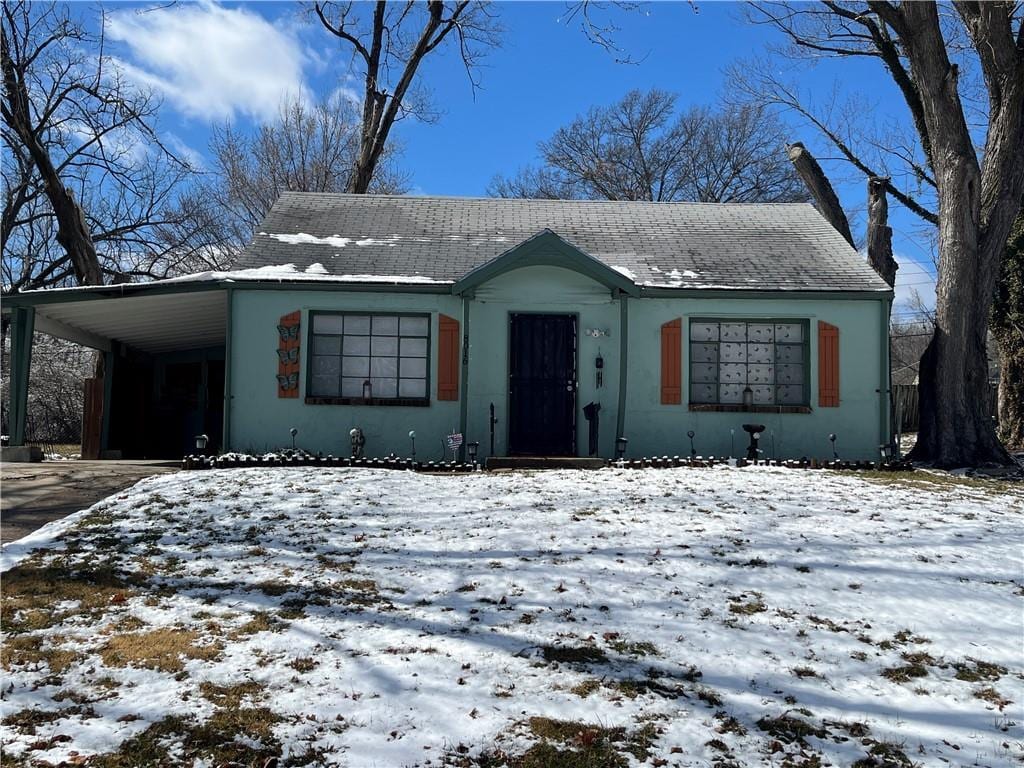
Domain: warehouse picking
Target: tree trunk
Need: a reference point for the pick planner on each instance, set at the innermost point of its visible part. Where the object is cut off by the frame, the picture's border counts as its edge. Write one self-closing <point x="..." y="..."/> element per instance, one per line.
<point x="956" y="429"/>
<point x="1007" y="326"/>
<point x="1011" y="395"/>
<point x="976" y="212"/>
<point x="821" y="190"/>
<point x="879" y="232"/>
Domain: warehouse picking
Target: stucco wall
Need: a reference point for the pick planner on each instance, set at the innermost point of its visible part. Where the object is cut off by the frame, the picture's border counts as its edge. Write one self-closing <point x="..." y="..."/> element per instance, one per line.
<point x="260" y="420"/>
<point x="656" y="429"/>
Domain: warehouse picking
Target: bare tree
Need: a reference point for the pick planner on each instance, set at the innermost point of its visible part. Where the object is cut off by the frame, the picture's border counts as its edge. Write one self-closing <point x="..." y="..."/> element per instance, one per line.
<point x="389" y="48"/>
<point x="640" y="148"/>
<point x="975" y="192"/>
<point x="307" y="148"/>
<point x="91" y="193"/>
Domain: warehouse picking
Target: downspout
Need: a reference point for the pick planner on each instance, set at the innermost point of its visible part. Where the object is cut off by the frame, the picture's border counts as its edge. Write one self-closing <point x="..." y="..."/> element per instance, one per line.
<point x="885" y="373"/>
<point x="226" y="437"/>
<point x="464" y="388"/>
<point x="620" y="416"/>
<point x="23" y="320"/>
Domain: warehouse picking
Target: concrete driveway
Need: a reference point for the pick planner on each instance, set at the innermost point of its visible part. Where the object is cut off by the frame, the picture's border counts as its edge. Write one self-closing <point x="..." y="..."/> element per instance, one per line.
<point x="32" y="495"/>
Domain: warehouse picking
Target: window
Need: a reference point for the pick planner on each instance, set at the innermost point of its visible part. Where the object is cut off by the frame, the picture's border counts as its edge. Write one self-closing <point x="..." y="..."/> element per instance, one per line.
<point x="726" y="357"/>
<point x="363" y="357"/>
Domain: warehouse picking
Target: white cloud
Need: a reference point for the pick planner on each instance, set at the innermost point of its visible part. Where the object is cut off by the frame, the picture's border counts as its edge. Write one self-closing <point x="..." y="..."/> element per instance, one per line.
<point x="212" y="62"/>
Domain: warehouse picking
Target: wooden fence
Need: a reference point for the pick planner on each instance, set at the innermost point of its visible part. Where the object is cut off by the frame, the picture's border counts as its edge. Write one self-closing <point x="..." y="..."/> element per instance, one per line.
<point x="907" y="412"/>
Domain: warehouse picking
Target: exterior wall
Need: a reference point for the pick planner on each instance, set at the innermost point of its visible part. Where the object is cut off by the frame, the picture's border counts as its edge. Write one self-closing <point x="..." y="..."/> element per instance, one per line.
<point x="541" y="289"/>
<point x="260" y="420"/>
<point x="656" y="429"/>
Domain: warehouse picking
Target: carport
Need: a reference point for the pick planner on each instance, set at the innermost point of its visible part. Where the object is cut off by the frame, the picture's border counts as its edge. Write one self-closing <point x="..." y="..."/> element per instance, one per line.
<point x="163" y="377"/>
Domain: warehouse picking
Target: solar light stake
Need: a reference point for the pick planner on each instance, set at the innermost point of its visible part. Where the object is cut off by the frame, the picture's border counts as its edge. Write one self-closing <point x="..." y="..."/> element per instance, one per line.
<point x="620" y="447"/>
<point x="358" y="441"/>
<point x="293" y="432"/>
<point x="732" y="443"/>
<point x="832" y="438"/>
<point x="693" y="451"/>
<point x="412" y="436"/>
<point x="201" y="441"/>
<point x="471" y="449"/>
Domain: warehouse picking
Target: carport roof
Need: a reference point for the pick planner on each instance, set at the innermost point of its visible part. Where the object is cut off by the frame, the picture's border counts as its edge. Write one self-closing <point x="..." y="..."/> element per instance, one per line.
<point x="144" y="316"/>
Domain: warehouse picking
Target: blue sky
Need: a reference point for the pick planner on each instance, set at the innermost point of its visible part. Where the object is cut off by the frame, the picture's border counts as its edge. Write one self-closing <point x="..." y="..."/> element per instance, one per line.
<point x="235" y="61"/>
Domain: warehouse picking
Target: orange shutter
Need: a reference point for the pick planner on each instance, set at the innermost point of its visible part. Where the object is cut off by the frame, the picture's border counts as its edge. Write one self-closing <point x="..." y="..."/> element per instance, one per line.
<point x="828" y="365"/>
<point x="447" y="358"/>
<point x="672" y="362"/>
<point x="288" y="354"/>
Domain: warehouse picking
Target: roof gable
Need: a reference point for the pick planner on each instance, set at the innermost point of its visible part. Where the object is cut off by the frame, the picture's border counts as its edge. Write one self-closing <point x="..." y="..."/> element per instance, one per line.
<point x="546" y="248"/>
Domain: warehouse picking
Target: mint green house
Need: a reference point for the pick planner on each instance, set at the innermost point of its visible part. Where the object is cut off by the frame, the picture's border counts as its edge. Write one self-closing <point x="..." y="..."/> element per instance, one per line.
<point x="532" y="327"/>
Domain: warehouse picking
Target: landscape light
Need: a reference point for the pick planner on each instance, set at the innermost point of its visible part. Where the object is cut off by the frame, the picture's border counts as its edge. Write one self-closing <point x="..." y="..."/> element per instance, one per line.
<point x="412" y="436"/>
<point x="832" y="439"/>
<point x="620" y="447"/>
<point x="472" y="449"/>
<point x="294" y="433"/>
<point x="358" y="441"/>
<point x="693" y="451"/>
<point x="201" y="441"/>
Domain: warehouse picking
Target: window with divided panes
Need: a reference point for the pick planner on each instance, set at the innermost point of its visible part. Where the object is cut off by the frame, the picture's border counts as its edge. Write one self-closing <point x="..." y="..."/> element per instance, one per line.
<point x="726" y="357"/>
<point x="378" y="357"/>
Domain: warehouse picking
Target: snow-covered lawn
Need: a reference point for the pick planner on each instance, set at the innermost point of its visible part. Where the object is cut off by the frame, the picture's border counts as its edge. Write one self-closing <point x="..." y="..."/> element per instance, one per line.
<point x="690" y="617"/>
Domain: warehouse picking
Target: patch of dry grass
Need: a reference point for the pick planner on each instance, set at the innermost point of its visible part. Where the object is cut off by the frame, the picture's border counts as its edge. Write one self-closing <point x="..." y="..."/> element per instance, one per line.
<point x="165" y="650"/>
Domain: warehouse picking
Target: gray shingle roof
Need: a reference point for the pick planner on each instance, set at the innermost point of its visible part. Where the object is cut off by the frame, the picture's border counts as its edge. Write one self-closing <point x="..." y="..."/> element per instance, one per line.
<point x="679" y="245"/>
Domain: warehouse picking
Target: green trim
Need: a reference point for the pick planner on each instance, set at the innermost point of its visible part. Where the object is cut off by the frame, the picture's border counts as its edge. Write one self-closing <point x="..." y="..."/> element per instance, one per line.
<point x="336" y="287"/>
<point x="885" y="375"/>
<point x="97" y="293"/>
<point x="464" y="383"/>
<point x="760" y="320"/>
<point x="228" y="332"/>
<point x="312" y="399"/>
<point x="545" y="249"/>
<point x="620" y="417"/>
<point x="22" y="329"/>
<point x="729" y="293"/>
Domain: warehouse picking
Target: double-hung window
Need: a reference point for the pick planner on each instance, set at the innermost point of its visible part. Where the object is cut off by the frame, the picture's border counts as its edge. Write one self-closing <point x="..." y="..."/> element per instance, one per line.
<point x="370" y="357"/>
<point x="768" y="357"/>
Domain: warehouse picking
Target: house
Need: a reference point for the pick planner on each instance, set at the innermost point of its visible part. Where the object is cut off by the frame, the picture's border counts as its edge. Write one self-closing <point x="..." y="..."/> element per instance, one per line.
<point x="509" y="321"/>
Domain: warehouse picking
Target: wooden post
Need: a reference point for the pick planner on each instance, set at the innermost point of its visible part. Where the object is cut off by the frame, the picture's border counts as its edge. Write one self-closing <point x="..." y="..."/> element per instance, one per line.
<point x="22" y="326"/>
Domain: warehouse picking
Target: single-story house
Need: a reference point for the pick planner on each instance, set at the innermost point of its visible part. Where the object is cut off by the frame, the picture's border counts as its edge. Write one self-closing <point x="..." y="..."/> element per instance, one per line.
<point x="521" y="324"/>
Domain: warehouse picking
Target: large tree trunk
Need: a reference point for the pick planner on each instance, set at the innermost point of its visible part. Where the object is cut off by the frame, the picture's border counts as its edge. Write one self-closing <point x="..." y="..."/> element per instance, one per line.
<point x="1008" y="330"/>
<point x="976" y="211"/>
<point x="821" y="190"/>
<point x="956" y="429"/>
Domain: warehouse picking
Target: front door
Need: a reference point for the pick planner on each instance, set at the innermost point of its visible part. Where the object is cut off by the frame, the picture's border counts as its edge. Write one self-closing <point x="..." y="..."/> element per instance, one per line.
<point x="542" y="385"/>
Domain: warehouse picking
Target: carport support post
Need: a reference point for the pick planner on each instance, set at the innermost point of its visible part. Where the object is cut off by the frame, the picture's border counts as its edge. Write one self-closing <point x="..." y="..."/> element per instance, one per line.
<point x="108" y="390"/>
<point x="23" y="320"/>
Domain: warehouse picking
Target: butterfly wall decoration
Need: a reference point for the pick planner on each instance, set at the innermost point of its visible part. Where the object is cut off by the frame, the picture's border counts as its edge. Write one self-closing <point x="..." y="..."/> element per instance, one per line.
<point x="288" y="353"/>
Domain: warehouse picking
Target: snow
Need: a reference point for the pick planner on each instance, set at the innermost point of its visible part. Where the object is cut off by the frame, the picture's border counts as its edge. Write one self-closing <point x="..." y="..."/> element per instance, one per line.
<point x="735" y="576"/>
<point x="289" y="272"/>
